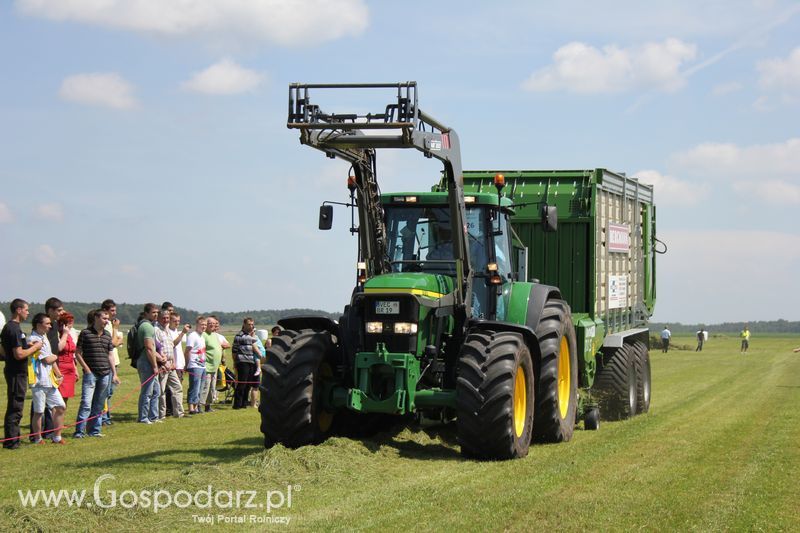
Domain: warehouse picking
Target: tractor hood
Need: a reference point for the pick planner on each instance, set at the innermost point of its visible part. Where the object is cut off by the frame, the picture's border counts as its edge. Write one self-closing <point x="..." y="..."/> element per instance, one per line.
<point x="417" y="283"/>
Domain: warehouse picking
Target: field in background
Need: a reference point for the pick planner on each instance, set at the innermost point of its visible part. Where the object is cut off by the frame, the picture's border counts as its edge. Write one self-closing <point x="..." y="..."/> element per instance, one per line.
<point x="718" y="450"/>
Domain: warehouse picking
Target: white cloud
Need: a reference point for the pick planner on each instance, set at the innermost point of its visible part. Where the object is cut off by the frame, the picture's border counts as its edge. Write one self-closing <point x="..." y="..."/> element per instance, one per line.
<point x="233" y="279"/>
<point x="726" y="88"/>
<point x="726" y="160"/>
<point x="580" y="68"/>
<point x="781" y="73"/>
<point x="45" y="254"/>
<point x="771" y="191"/>
<point x="781" y="76"/>
<point x="224" y="77"/>
<point x="134" y="271"/>
<point x="99" y="89"/>
<point x="50" y="211"/>
<point x="284" y="22"/>
<point x="672" y="191"/>
<point x="5" y="214"/>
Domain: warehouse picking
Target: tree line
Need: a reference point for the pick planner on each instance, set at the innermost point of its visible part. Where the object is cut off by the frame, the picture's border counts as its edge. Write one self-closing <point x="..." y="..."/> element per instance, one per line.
<point x="128" y="313"/>
<point x="762" y="326"/>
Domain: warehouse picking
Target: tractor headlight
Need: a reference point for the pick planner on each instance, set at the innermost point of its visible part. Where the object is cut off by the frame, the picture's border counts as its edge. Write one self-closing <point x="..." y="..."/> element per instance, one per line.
<point x="374" y="327"/>
<point x="405" y="328"/>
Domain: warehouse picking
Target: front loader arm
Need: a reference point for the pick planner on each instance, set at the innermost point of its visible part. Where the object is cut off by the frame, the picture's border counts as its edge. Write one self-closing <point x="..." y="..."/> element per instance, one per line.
<point x="355" y="138"/>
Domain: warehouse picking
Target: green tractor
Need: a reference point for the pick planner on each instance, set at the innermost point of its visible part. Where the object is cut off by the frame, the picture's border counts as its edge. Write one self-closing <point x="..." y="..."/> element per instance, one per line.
<point x="441" y="323"/>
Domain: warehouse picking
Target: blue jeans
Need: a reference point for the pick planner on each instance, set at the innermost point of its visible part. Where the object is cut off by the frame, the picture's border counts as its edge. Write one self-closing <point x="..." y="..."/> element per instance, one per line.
<point x="94" y="390"/>
<point x="195" y="384"/>
<point x="106" y="418"/>
<point x="149" y="393"/>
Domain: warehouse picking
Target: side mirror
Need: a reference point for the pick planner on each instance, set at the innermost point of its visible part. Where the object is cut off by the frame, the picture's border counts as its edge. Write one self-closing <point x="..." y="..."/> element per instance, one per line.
<point x="549" y="217"/>
<point x="325" y="216"/>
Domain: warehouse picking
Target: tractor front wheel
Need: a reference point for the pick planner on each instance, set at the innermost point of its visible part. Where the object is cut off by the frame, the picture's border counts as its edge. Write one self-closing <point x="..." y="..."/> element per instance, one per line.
<point x="292" y="408"/>
<point x="494" y="396"/>
<point x="557" y="384"/>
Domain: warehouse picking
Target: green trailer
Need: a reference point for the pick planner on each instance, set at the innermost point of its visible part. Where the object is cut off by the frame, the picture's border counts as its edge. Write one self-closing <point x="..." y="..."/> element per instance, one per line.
<point x="510" y="306"/>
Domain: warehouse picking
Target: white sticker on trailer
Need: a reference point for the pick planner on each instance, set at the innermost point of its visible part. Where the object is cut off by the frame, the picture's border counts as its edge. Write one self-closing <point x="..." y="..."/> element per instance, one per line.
<point x="617" y="291"/>
<point x="619" y="237"/>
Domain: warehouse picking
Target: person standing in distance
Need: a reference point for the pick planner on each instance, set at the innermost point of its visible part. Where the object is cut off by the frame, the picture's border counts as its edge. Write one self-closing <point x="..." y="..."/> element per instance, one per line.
<point x="666" y="335"/>
<point x="701" y="339"/>
<point x="112" y="327"/>
<point x="147" y="365"/>
<point x="44" y="392"/>
<point x="16" y="351"/>
<point x="195" y="355"/>
<point x="244" y="352"/>
<point x="745" y="336"/>
<point x="94" y="355"/>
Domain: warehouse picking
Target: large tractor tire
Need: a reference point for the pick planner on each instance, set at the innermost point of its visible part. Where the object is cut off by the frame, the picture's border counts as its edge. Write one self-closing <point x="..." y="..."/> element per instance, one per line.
<point x="615" y="385"/>
<point x="557" y="383"/>
<point x="641" y="357"/>
<point x="494" y="396"/>
<point x="291" y="406"/>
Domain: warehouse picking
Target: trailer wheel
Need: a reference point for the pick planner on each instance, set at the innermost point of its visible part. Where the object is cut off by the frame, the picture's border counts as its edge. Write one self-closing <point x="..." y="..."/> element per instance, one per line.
<point x="643" y="382"/>
<point x="494" y="396"/>
<point x="291" y="405"/>
<point x="615" y="385"/>
<point x="557" y="383"/>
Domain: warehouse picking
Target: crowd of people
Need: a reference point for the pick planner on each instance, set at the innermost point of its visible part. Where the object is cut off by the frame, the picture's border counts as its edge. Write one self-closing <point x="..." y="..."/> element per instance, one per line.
<point x="160" y="346"/>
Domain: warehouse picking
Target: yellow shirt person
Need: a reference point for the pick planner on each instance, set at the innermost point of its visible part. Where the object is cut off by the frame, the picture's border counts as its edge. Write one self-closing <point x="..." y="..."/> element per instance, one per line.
<point x="745" y="336"/>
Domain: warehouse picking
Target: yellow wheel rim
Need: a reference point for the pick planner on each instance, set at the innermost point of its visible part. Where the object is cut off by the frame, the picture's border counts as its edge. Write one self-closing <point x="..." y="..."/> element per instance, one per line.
<point x="324" y="418"/>
<point x="520" y="402"/>
<point x="564" y="377"/>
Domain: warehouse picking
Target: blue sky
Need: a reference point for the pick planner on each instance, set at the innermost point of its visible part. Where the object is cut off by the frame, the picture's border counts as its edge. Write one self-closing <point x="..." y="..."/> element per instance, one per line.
<point x="144" y="154"/>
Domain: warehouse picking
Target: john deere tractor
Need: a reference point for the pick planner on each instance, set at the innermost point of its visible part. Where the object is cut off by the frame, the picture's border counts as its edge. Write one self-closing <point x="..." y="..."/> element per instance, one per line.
<point x="441" y="323"/>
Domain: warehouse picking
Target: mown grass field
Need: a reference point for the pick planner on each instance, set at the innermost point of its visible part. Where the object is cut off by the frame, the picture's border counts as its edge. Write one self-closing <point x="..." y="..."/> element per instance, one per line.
<point x="719" y="450"/>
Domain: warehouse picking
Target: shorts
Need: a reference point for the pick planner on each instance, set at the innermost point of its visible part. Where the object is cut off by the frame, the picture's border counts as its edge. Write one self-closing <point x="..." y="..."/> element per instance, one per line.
<point x="46" y="396"/>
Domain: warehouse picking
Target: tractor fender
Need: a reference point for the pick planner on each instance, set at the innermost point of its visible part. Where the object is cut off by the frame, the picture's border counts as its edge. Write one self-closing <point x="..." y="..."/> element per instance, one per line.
<point x="492" y="325"/>
<point x="539" y="295"/>
<point x="316" y="323"/>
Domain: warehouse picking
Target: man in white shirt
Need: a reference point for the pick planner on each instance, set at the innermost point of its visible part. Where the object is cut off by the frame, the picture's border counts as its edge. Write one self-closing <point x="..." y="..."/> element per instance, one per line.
<point x="45" y="390"/>
<point x="177" y="333"/>
<point x="195" y="355"/>
<point x="168" y="377"/>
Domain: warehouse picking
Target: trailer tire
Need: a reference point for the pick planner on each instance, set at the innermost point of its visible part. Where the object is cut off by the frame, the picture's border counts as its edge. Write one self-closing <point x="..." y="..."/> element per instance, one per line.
<point x="557" y="376"/>
<point x="643" y="379"/>
<point x="494" y="396"/>
<point x="291" y="406"/>
<point x="615" y="385"/>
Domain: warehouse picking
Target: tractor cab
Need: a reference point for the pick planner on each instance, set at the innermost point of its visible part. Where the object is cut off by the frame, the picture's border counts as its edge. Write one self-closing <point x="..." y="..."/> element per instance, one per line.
<point x="420" y="239"/>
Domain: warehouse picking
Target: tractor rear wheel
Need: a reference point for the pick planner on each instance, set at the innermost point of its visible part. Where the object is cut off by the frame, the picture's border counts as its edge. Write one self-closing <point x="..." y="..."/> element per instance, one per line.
<point x="615" y="385"/>
<point x="557" y="383"/>
<point x="292" y="411"/>
<point x="642" y="362"/>
<point x="494" y="396"/>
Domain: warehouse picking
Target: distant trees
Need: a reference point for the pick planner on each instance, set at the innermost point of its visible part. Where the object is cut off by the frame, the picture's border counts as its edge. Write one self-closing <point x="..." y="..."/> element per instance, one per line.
<point x="762" y="326"/>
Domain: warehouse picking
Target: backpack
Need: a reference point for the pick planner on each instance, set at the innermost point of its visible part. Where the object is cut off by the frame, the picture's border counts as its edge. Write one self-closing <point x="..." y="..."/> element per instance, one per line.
<point x="132" y="345"/>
